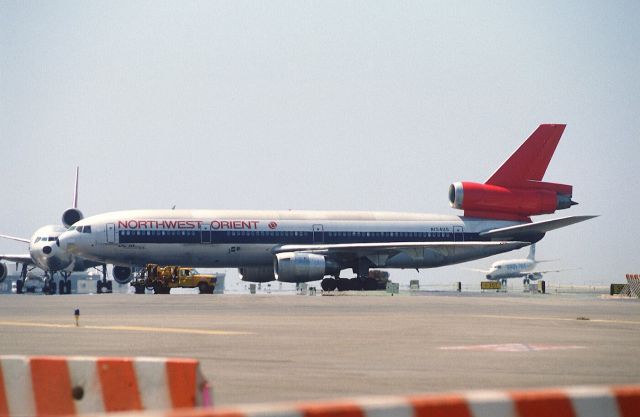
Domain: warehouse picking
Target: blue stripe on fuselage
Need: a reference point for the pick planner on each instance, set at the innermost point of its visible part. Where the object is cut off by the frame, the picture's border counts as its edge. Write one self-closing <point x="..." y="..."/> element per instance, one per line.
<point x="289" y="237"/>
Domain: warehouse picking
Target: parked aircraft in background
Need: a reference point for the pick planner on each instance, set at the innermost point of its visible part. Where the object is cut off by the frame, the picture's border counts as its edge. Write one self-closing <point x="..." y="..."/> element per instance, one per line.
<point x="46" y="254"/>
<point x="301" y="246"/>
<point x="524" y="268"/>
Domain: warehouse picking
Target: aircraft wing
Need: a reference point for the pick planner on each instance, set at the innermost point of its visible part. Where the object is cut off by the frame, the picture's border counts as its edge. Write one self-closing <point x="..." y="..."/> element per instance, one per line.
<point x="541" y="227"/>
<point x="477" y="270"/>
<point x="376" y="251"/>
<point x="18" y="258"/>
<point x="548" y="271"/>
<point x="19" y="239"/>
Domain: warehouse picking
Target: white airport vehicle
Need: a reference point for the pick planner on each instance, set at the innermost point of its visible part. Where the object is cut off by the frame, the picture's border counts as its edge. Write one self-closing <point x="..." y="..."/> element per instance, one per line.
<point x="45" y="253"/>
<point x="524" y="268"/>
<point x="302" y="246"/>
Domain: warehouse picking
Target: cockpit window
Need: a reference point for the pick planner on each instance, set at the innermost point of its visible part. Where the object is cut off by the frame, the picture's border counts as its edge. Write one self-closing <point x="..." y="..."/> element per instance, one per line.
<point x="51" y="238"/>
<point x="79" y="229"/>
<point x="37" y="240"/>
<point x="86" y="229"/>
<point x="71" y="228"/>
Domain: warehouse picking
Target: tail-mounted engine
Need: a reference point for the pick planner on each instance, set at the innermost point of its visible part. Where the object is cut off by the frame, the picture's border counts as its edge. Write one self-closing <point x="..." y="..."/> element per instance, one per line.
<point x="509" y="203"/>
<point x="71" y="216"/>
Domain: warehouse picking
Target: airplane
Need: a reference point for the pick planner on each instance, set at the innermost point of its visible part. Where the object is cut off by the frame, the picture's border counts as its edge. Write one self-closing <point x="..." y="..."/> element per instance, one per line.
<point x="45" y="254"/>
<point x="304" y="246"/>
<point x="517" y="268"/>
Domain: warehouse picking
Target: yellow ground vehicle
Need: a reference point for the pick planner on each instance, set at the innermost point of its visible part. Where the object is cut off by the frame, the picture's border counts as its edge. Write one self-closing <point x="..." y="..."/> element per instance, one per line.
<point x="162" y="278"/>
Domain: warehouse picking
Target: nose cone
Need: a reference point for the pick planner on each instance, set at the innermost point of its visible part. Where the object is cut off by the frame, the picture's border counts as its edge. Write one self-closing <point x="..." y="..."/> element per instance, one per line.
<point x="66" y="242"/>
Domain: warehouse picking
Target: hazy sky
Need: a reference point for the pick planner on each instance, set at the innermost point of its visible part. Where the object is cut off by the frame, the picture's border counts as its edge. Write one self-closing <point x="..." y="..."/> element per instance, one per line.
<point x="320" y="105"/>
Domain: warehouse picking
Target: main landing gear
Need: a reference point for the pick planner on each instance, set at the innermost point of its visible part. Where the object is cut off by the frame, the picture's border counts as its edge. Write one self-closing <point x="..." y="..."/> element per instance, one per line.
<point x="103" y="285"/>
<point x="50" y="287"/>
<point x="361" y="282"/>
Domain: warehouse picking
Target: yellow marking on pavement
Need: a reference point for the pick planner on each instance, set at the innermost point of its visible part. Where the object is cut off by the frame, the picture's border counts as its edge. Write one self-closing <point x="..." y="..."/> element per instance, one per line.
<point x="559" y="319"/>
<point x="128" y="328"/>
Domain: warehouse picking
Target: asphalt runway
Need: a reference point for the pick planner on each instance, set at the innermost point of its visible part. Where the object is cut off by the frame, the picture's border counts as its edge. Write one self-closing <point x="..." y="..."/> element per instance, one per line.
<point x="263" y="348"/>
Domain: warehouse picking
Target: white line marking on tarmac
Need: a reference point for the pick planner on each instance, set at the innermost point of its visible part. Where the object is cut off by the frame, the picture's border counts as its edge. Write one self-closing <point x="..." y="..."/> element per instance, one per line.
<point x="558" y="319"/>
<point x="127" y="328"/>
<point x="512" y="347"/>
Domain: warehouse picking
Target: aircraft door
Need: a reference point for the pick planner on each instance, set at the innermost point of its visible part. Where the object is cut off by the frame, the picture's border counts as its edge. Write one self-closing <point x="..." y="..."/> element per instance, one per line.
<point x="206" y="233"/>
<point x="111" y="233"/>
<point x="458" y="234"/>
<point x="318" y="233"/>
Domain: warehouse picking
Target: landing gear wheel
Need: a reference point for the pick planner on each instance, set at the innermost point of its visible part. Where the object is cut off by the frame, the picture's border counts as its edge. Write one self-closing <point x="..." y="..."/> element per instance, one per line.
<point x="61" y="287"/>
<point x="67" y="287"/>
<point x="328" y="284"/>
<point x="355" y="284"/>
<point x="19" y="286"/>
<point x="370" y="284"/>
<point x="52" y="287"/>
<point x="343" y="284"/>
<point x="99" y="287"/>
<point x="109" y="286"/>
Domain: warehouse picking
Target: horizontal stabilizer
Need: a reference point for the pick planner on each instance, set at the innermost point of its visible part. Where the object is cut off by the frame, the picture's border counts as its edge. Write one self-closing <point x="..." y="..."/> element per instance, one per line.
<point x="542" y="227"/>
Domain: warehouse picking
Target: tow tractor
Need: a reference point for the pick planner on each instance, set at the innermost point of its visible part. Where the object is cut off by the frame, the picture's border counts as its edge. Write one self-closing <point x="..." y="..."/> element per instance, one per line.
<point x="162" y="278"/>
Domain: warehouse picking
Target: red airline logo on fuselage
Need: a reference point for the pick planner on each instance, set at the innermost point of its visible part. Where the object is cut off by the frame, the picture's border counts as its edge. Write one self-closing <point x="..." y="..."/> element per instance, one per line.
<point x="189" y="224"/>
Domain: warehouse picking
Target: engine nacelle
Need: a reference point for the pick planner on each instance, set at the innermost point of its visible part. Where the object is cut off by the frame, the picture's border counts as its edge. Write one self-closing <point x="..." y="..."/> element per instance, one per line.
<point x="122" y="274"/>
<point x="534" y="276"/>
<point x="71" y="216"/>
<point x="302" y="267"/>
<point x="4" y="271"/>
<point x="502" y="202"/>
<point x="257" y="274"/>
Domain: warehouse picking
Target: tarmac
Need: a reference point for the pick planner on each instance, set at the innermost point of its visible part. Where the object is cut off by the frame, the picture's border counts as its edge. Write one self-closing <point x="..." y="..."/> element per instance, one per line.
<point x="274" y="347"/>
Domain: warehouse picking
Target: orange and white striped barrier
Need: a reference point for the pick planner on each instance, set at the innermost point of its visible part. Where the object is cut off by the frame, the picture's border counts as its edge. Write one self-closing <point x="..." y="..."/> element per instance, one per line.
<point x="616" y="401"/>
<point x="56" y="386"/>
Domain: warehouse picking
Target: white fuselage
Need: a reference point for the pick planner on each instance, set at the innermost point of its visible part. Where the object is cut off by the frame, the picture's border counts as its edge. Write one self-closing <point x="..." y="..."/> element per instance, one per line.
<point x="514" y="268"/>
<point x="46" y="253"/>
<point x="213" y="238"/>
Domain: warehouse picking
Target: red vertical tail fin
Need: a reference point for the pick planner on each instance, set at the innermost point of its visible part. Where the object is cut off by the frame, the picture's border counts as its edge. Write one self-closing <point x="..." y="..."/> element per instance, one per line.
<point x="530" y="161"/>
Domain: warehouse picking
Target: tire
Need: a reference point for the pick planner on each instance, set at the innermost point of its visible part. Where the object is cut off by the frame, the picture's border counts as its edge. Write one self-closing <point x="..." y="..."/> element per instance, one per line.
<point x="343" y="284"/>
<point x="52" y="288"/>
<point x="328" y="284"/>
<point x="204" y="288"/>
<point x="67" y="287"/>
<point x="61" y="287"/>
<point x="99" y="287"/>
<point x="355" y="284"/>
<point x="19" y="286"/>
<point x="370" y="284"/>
<point x="110" y="286"/>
